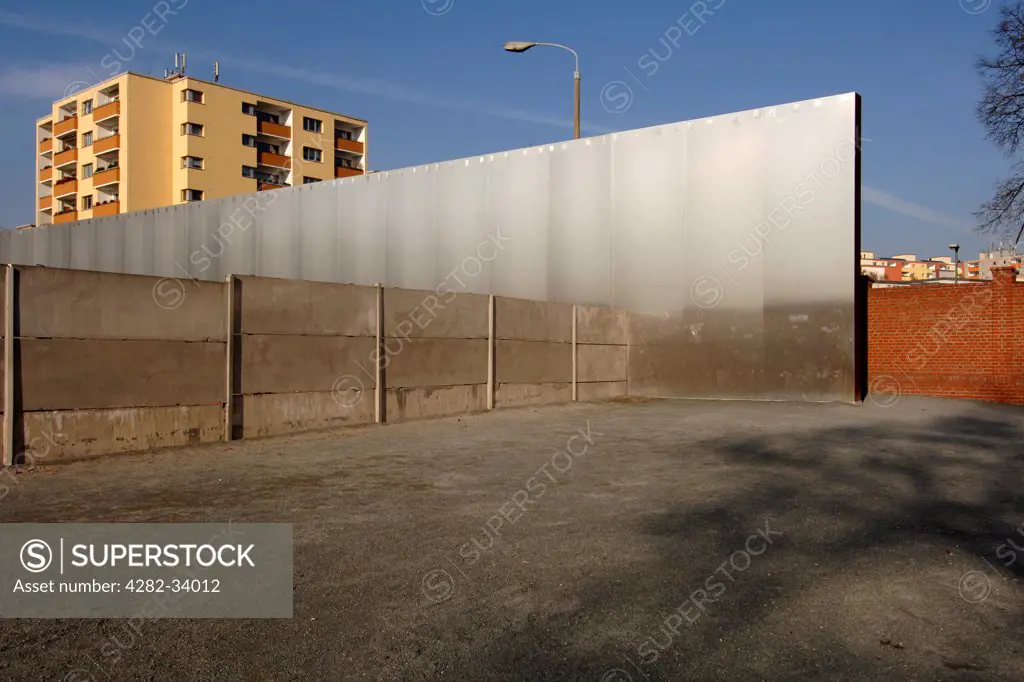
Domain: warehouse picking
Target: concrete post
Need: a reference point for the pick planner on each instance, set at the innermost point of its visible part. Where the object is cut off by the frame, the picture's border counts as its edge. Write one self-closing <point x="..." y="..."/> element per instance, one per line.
<point x="10" y="371"/>
<point x="379" y="395"/>
<point x="231" y="347"/>
<point x="490" y="352"/>
<point x="575" y="359"/>
<point x="629" y="345"/>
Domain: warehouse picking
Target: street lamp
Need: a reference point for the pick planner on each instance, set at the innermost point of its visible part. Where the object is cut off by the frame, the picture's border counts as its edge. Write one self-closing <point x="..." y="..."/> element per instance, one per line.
<point x="519" y="46"/>
<point x="956" y="262"/>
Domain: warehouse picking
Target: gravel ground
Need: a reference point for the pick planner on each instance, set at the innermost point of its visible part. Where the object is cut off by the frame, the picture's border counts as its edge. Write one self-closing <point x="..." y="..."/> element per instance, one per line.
<point x="667" y="540"/>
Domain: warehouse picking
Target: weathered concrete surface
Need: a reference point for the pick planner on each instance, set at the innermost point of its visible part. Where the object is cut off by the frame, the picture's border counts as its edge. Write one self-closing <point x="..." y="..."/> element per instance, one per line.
<point x="516" y="318"/>
<point x="601" y="325"/>
<point x="425" y="314"/>
<point x="423" y="403"/>
<point x="435" y="362"/>
<point x="601" y="390"/>
<point x="279" y="413"/>
<point x="529" y="362"/>
<point x="284" y="306"/>
<point x="885" y="524"/>
<point x="80" y="304"/>
<point x="780" y="353"/>
<point x="69" y="374"/>
<point x="284" y="364"/>
<point x="601" y="363"/>
<point x="73" y="434"/>
<point x="518" y="395"/>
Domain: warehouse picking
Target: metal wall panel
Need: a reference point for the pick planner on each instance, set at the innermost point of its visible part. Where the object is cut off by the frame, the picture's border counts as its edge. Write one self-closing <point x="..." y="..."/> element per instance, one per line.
<point x="731" y="238"/>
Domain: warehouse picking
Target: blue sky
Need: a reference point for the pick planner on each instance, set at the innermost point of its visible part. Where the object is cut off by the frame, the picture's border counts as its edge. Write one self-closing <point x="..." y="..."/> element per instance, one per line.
<point x="433" y="81"/>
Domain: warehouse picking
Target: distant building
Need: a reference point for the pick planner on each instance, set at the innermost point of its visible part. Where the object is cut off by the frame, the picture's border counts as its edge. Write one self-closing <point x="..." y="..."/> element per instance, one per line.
<point x="907" y="267"/>
<point x="136" y="142"/>
<point x="996" y="258"/>
<point x="880" y="269"/>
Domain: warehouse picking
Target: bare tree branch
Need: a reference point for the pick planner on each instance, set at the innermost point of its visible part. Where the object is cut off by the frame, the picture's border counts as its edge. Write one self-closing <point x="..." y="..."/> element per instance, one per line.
<point x="1001" y="112"/>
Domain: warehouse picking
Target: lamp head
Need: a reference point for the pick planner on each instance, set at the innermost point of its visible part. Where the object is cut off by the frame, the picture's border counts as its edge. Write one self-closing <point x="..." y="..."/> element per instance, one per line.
<point x="518" y="46"/>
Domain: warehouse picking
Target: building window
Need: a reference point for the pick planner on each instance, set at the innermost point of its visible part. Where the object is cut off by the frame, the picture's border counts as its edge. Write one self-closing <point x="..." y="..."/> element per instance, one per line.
<point x="313" y="125"/>
<point x="346" y="163"/>
<point x="192" y="129"/>
<point x="248" y="172"/>
<point x="306" y="180"/>
<point x="249" y="109"/>
<point x="189" y="95"/>
<point x="345" y="134"/>
<point x="191" y="195"/>
<point x="192" y="162"/>
<point x="86" y="202"/>
<point x="87" y="170"/>
<point x="248" y="140"/>
<point x="87" y="139"/>
<point x="311" y="154"/>
<point x="86" y="107"/>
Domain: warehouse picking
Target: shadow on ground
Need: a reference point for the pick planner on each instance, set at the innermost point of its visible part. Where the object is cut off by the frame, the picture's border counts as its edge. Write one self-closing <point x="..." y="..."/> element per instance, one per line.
<point x="890" y="553"/>
<point x="899" y="552"/>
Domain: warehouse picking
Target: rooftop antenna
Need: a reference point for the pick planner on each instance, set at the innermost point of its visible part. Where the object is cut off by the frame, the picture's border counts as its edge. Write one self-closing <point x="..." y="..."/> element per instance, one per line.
<point x="216" y="72"/>
<point x="179" y="67"/>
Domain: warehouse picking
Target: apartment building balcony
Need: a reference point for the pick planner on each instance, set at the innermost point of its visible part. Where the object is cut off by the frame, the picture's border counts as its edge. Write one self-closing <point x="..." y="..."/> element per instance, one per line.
<point x="65" y="217"/>
<point x="273" y="129"/>
<point x="107" y="144"/>
<point x="45" y="203"/>
<point x="63" y="188"/>
<point x="108" y="110"/>
<point x="109" y="176"/>
<point x="343" y="172"/>
<point x="263" y="185"/>
<point x="65" y="158"/>
<point x="353" y="146"/>
<point x="46" y="146"/>
<point x="68" y="125"/>
<point x="106" y="209"/>
<point x="46" y="174"/>
<point x="274" y="160"/>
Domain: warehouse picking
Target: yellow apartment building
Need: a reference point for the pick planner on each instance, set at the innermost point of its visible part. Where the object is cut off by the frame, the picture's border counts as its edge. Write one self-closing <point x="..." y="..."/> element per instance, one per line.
<point x="135" y="142"/>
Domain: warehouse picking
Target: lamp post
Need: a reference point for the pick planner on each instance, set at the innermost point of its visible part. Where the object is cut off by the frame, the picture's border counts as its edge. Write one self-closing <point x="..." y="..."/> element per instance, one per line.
<point x="518" y="46"/>
<point x="956" y="262"/>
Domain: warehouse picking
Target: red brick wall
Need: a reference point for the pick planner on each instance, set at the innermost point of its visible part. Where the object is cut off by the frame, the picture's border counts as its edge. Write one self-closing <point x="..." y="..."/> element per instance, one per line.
<point x="962" y="341"/>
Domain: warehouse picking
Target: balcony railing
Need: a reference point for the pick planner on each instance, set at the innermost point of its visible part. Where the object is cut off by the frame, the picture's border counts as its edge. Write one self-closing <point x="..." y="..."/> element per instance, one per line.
<point x="348" y="145"/>
<point x="262" y="185"/>
<point x="46" y="146"/>
<point x="46" y="174"/>
<point x="45" y="203"/>
<point x="65" y="157"/>
<point x="62" y="188"/>
<point x="106" y="144"/>
<point x="65" y="126"/>
<point x="108" y="110"/>
<point x="65" y="217"/>
<point x="343" y="172"/>
<point x="107" y="176"/>
<point x="106" y="209"/>
<point x="275" y="129"/>
<point x="275" y="160"/>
